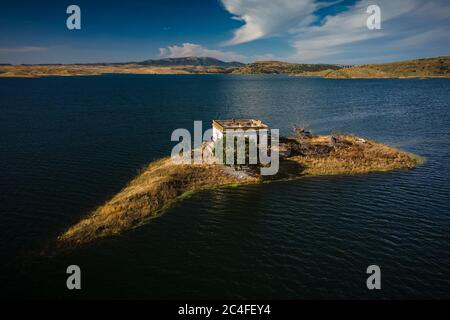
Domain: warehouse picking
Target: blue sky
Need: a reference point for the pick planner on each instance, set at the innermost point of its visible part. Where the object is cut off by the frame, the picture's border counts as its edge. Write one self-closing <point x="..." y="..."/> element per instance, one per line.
<point x="246" y="30"/>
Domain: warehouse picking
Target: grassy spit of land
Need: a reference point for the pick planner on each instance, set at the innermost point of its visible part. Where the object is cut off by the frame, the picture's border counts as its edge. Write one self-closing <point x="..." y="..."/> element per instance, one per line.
<point x="162" y="183"/>
<point x="154" y="189"/>
<point x="354" y="155"/>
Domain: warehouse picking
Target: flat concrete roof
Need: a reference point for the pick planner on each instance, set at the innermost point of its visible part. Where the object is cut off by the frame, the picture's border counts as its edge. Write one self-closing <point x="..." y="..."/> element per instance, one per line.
<point x="240" y="124"/>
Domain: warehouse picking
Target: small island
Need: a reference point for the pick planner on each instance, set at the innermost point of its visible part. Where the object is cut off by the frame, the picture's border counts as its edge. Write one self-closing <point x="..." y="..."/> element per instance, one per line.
<point x="164" y="182"/>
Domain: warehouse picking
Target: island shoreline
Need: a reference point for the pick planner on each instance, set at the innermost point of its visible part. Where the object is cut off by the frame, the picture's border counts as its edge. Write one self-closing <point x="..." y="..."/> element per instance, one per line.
<point x="162" y="183"/>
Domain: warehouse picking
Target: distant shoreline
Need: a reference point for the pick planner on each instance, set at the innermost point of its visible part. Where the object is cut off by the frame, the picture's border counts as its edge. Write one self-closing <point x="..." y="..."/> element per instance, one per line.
<point x="438" y="67"/>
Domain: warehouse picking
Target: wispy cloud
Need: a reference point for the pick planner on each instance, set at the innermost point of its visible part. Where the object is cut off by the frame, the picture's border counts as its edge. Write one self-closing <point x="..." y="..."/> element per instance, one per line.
<point x="268" y="17"/>
<point x="409" y="27"/>
<point x="22" y="49"/>
<point x="192" y="49"/>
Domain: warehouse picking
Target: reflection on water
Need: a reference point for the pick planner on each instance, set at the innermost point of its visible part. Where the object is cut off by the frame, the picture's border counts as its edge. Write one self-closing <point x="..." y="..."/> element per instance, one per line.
<point x="68" y="144"/>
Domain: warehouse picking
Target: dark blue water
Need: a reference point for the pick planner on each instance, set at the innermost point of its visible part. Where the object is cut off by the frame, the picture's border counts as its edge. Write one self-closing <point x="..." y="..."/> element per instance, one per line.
<point x="69" y="144"/>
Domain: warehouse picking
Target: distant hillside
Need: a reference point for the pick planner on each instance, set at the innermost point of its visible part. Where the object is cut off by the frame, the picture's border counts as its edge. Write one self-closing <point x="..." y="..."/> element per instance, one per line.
<point x="187" y="65"/>
<point x="190" y="61"/>
<point x="420" y="68"/>
<point x="279" y="67"/>
<point x="429" y="67"/>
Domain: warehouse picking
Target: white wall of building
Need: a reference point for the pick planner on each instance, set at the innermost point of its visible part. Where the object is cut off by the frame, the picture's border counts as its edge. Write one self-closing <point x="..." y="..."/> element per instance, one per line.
<point x="217" y="134"/>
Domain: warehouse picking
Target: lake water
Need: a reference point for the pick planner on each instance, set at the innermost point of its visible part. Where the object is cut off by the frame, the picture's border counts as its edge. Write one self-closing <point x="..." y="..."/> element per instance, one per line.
<point x="68" y="144"/>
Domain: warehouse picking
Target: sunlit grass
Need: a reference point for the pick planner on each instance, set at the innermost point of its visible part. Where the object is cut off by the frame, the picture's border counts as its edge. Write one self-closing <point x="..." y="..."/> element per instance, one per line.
<point x="162" y="183"/>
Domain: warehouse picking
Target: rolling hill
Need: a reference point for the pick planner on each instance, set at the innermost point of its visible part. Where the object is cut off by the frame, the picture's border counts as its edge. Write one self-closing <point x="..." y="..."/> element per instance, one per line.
<point x="280" y="67"/>
<point x="190" y="61"/>
<point x="438" y="67"/>
<point x="419" y="68"/>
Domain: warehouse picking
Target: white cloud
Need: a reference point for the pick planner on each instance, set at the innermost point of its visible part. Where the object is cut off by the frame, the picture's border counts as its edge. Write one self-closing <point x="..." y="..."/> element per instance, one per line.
<point x="410" y="28"/>
<point x="191" y="50"/>
<point x="22" y="49"/>
<point x="268" y="17"/>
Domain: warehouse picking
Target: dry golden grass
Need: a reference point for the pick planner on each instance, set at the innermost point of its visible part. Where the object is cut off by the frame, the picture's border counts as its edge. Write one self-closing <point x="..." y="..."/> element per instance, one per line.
<point x="438" y="67"/>
<point x="155" y="188"/>
<point x="163" y="182"/>
<point x="280" y="67"/>
<point x="30" y="71"/>
<point x="356" y="156"/>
